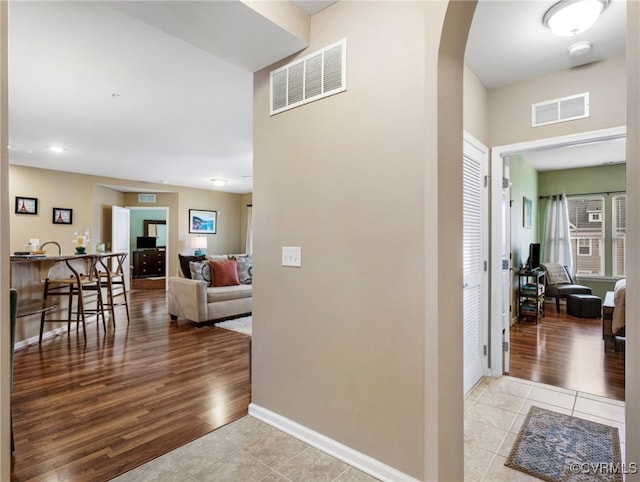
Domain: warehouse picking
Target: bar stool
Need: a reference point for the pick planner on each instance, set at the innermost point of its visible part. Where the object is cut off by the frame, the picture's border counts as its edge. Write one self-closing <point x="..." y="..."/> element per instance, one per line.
<point x="111" y="274"/>
<point x="66" y="280"/>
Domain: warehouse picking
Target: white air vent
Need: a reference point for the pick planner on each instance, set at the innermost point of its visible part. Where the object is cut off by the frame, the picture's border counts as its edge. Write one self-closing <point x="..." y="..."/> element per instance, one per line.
<point x="310" y="78"/>
<point x="560" y="110"/>
<point x="146" y="198"/>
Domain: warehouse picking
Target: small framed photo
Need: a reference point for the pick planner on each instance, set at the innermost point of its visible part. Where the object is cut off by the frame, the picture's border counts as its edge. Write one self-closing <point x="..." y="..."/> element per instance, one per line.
<point x="26" y="205"/>
<point x="202" y="222"/>
<point x="62" y="216"/>
<point x="527" y="212"/>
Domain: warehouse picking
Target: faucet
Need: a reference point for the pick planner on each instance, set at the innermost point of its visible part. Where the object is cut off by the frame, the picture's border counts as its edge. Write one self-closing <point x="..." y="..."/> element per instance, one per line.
<point x="53" y="242"/>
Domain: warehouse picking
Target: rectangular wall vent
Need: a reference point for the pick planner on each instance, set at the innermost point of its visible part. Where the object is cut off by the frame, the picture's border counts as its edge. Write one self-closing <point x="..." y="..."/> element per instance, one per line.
<point x="560" y="110"/>
<point x="146" y="198"/>
<point x="317" y="75"/>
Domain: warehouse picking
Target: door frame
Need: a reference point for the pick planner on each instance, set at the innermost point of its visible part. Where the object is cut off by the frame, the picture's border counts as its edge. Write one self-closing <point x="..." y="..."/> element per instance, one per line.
<point x="498" y="153"/>
<point x="166" y="212"/>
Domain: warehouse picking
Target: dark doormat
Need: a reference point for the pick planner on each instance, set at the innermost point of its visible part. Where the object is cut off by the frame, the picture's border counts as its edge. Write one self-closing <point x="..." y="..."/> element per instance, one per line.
<point x="557" y="447"/>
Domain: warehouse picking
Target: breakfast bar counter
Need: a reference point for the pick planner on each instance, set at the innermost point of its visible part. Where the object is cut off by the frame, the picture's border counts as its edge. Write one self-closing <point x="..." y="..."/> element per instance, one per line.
<point x="27" y="276"/>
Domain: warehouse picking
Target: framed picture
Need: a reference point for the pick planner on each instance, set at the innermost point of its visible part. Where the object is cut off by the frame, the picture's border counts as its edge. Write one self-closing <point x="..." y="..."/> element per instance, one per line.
<point x="26" y="205"/>
<point x="527" y="212"/>
<point x="202" y="222"/>
<point x="62" y="216"/>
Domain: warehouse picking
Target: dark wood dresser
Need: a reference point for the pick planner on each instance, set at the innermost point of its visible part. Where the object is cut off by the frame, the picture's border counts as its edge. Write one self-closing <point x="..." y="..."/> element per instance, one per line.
<point x="149" y="262"/>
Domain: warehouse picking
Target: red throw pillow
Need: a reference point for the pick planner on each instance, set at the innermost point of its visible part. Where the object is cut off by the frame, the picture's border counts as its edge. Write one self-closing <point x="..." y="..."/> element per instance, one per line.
<point x="224" y="272"/>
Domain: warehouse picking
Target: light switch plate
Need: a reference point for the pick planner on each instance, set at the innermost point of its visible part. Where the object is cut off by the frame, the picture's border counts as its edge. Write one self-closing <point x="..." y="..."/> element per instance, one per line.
<point x="292" y="256"/>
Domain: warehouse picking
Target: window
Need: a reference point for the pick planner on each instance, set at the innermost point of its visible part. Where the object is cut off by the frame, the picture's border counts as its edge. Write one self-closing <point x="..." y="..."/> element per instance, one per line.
<point x="618" y="234"/>
<point x="584" y="247"/>
<point x="587" y="229"/>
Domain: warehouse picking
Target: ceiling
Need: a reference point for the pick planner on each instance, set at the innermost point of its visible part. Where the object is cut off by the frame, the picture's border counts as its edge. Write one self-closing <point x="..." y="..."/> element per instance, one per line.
<point x="508" y="43"/>
<point x="161" y="91"/>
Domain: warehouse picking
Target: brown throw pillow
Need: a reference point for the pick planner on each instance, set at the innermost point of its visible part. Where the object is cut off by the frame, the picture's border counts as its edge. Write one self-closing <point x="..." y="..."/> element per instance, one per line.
<point x="224" y="272"/>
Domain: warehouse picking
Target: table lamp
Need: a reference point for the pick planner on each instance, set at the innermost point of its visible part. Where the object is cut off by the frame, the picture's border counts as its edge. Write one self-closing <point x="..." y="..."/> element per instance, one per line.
<point x="199" y="243"/>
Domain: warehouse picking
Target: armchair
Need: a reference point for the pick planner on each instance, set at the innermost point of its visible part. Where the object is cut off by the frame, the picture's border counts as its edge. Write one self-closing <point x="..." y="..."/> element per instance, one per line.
<point x="560" y="284"/>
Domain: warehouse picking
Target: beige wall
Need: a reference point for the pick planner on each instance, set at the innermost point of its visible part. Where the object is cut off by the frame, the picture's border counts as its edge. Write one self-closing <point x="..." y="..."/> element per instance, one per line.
<point x="69" y="190"/>
<point x="245" y="200"/>
<point x="475" y="107"/>
<point x="52" y="189"/>
<point x="5" y="366"/>
<point x="510" y="106"/>
<point x="103" y="199"/>
<point x="632" y="356"/>
<point x="356" y="180"/>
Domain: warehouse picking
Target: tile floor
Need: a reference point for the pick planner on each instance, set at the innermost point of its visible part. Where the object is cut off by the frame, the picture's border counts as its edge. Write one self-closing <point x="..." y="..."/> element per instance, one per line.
<point x="243" y="451"/>
<point x="250" y="450"/>
<point x="495" y="410"/>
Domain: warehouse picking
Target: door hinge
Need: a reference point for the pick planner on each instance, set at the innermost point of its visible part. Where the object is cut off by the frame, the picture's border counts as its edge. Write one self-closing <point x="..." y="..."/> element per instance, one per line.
<point x="486" y="181"/>
<point x="505" y="183"/>
<point x="484" y="349"/>
<point x="505" y="346"/>
<point x="486" y="265"/>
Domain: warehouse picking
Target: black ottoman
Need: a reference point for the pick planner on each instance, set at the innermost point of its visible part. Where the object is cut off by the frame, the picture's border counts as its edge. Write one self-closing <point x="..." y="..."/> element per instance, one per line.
<point x="584" y="306"/>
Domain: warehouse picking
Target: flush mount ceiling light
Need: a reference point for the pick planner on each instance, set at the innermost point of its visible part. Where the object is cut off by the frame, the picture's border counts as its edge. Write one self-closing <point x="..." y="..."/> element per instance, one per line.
<point x="572" y="17"/>
<point x="219" y="182"/>
<point x="56" y="149"/>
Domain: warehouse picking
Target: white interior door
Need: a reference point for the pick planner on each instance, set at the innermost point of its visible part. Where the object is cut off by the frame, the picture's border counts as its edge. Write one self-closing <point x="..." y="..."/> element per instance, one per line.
<point x="507" y="271"/>
<point x="475" y="237"/>
<point x="120" y="236"/>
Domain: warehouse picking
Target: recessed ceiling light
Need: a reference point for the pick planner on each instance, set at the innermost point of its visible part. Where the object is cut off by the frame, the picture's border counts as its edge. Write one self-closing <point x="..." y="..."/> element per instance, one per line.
<point x="572" y="17"/>
<point x="219" y="182"/>
<point x="56" y="149"/>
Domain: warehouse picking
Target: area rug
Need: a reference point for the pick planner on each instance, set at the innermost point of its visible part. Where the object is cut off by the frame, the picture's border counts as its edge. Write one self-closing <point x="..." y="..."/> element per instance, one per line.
<point x="557" y="447"/>
<point x="241" y="325"/>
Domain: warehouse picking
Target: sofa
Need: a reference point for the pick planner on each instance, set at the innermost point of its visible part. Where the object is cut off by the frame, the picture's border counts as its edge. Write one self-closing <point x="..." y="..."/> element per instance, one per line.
<point x="211" y="288"/>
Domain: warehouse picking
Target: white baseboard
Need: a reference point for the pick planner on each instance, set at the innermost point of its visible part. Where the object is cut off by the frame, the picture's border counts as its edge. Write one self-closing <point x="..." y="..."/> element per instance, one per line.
<point x="352" y="457"/>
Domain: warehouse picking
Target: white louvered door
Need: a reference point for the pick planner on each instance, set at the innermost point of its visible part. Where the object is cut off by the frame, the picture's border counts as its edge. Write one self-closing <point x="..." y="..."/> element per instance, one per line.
<point x="474" y="293"/>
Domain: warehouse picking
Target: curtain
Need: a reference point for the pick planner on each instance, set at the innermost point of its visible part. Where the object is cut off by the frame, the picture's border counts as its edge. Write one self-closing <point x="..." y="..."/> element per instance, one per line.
<point x="557" y="235"/>
<point x="249" y="240"/>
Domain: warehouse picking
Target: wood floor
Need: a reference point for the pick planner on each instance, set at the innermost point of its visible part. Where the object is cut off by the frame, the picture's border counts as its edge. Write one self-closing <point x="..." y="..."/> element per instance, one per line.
<point x="93" y="410"/>
<point x="148" y="283"/>
<point x="568" y="352"/>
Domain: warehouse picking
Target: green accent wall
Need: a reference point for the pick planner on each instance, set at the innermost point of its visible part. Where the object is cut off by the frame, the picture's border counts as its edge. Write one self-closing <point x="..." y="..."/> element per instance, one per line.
<point x="524" y="184"/>
<point x="585" y="180"/>
<point x="606" y="180"/>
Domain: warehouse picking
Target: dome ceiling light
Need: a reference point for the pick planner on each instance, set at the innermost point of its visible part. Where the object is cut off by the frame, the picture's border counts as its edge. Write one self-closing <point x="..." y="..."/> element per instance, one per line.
<point x="568" y="18"/>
